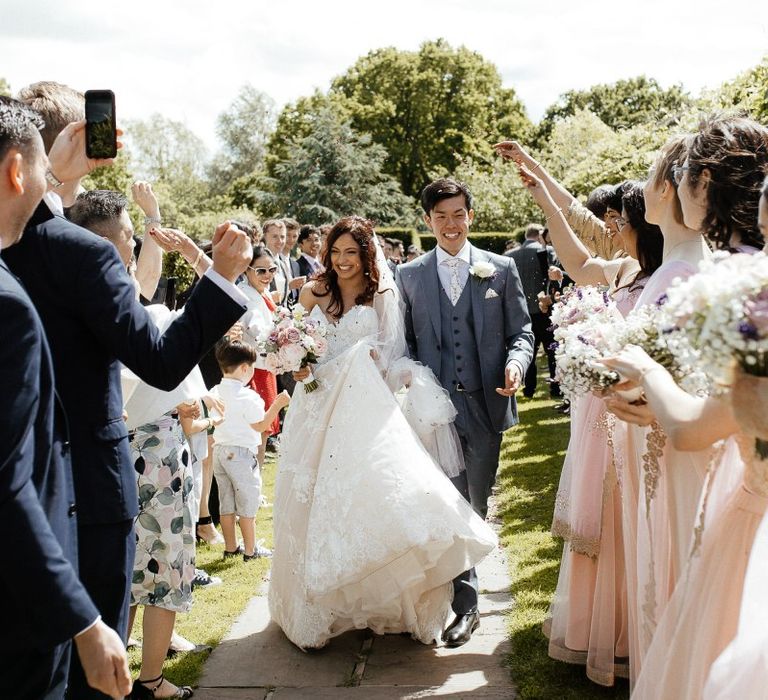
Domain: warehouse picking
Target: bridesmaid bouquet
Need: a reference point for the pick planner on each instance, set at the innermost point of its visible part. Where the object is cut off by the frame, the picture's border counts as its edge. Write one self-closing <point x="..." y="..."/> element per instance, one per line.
<point x="294" y="341"/>
<point x="722" y="312"/>
<point x="584" y="323"/>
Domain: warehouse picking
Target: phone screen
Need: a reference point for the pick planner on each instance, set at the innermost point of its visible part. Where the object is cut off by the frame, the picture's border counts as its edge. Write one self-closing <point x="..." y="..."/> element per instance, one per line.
<point x="100" y="126"/>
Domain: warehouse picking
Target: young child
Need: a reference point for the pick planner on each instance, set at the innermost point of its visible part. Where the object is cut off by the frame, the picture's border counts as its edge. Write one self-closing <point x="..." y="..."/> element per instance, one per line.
<point x="236" y="444"/>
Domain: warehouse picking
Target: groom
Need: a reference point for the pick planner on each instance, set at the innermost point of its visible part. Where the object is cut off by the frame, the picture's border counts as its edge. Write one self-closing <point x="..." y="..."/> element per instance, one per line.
<point x="466" y="318"/>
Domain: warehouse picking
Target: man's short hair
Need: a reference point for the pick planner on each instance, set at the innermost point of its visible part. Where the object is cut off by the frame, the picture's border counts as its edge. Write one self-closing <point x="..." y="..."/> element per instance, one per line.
<point x="533" y="231"/>
<point x="306" y="231"/>
<point x="291" y="224"/>
<point x="58" y="104"/>
<point x="230" y="355"/>
<point x="97" y="207"/>
<point x="18" y="125"/>
<point x="269" y="223"/>
<point x="445" y="188"/>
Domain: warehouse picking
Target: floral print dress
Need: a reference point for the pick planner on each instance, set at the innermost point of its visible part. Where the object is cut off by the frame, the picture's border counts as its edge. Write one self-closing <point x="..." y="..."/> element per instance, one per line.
<point x="164" y="567"/>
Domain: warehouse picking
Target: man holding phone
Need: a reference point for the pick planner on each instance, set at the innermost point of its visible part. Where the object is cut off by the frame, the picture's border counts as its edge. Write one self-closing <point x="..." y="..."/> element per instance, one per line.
<point x="94" y="325"/>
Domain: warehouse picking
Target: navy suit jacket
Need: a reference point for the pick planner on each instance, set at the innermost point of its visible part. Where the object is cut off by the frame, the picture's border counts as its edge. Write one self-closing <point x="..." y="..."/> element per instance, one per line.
<point x="88" y="307"/>
<point x="43" y="602"/>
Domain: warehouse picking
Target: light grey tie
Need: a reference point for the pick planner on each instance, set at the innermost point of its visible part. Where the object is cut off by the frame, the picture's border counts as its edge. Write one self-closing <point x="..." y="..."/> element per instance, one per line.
<point x="455" y="286"/>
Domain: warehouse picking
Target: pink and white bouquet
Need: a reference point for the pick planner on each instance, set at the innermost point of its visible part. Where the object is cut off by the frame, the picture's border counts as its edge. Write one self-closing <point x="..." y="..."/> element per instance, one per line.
<point x="585" y="321"/>
<point x="296" y="340"/>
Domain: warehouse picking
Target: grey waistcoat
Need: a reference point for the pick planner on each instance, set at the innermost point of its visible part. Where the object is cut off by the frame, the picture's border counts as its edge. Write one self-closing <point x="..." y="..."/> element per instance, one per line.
<point x="459" y="361"/>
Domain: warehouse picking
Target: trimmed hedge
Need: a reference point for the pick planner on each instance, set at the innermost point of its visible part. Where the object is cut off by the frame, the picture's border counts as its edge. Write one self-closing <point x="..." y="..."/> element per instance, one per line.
<point x="408" y="236"/>
<point x="494" y="242"/>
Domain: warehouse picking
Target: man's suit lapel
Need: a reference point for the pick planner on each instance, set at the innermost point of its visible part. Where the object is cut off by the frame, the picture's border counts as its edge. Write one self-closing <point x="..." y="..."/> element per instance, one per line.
<point x="430" y="289"/>
<point x="478" y="288"/>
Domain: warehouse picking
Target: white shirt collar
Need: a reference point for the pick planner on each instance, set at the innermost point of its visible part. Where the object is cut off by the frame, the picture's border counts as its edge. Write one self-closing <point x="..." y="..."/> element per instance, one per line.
<point x="310" y="258"/>
<point x="463" y="254"/>
<point x="53" y="202"/>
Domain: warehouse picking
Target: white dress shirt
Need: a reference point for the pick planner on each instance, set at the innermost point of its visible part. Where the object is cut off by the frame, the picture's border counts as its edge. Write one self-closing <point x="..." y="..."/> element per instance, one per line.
<point x="444" y="269"/>
<point x="315" y="266"/>
<point x="256" y="320"/>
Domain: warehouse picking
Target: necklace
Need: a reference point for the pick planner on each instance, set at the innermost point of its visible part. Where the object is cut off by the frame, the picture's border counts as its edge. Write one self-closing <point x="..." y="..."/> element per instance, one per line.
<point x="677" y="245"/>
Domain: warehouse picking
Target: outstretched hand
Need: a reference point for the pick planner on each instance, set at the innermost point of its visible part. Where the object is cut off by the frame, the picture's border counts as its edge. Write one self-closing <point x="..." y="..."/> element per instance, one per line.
<point x="67" y="158"/>
<point x="512" y="150"/>
<point x="512" y="379"/>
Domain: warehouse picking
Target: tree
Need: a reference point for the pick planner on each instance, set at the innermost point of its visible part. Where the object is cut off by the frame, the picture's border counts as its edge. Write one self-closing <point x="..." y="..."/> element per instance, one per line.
<point x="5" y="88"/>
<point x="619" y="105"/>
<point x="424" y="107"/>
<point x="584" y="152"/>
<point x="334" y="172"/>
<point x="244" y="130"/>
<point x="169" y="155"/>
<point x="748" y="91"/>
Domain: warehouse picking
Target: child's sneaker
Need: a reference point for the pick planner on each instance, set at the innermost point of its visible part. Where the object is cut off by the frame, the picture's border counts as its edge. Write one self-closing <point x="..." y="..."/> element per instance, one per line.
<point x="238" y="551"/>
<point x="259" y="552"/>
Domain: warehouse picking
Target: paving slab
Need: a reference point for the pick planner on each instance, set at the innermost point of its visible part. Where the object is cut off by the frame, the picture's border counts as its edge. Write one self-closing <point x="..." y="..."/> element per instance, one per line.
<point x="256" y="661"/>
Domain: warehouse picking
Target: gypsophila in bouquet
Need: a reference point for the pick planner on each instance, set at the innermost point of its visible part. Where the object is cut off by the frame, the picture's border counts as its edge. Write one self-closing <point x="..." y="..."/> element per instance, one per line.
<point x="584" y="322"/>
<point x="649" y="328"/>
<point x="722" y="312"/>
<point x="294" y="341"/>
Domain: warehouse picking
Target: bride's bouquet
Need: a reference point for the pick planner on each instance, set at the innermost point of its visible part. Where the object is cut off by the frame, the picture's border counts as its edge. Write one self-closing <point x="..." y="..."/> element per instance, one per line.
<point x="296" y="340"/>
<point x="584" y="323"/>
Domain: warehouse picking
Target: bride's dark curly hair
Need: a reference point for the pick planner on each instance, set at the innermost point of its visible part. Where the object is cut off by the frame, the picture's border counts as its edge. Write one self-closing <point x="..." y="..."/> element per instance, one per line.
<point x="735" y="151"/>
<point x="362" y="231"/>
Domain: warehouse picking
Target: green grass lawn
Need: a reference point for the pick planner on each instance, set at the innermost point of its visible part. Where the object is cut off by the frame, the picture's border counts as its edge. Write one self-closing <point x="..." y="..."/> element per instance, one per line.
<point x="531" y="459"/>
<point x="217" y="607"/>
<point x="532" y="455"/>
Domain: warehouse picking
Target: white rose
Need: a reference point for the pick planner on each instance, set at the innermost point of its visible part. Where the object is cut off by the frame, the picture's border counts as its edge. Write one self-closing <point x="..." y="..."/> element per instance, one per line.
<point x="292" y="355"/>
<point x="482" y="269"/>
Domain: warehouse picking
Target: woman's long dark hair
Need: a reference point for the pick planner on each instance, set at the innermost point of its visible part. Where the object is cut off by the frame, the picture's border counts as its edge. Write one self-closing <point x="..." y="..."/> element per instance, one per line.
<point x="735" y="151"/>
<point x="362" y="231"/>
<point x="650" y="241"/>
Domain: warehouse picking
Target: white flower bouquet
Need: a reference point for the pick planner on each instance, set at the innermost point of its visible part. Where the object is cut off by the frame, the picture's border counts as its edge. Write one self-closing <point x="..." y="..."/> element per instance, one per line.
<point x="295" y="341"/>
<point x="584" y="321"/>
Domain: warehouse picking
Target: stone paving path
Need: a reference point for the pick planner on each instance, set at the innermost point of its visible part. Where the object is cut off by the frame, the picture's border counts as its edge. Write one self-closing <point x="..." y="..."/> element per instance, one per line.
<point x="256" y="662"/>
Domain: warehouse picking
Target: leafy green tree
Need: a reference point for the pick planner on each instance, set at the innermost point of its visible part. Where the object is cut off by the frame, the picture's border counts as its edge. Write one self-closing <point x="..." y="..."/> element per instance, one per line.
<point x="620" y="105"/>
<point x="244" y="129"/>
<point x="169" y="155"/>
<point x="748" y="91"/>
<point x="5" y="88"/>
<point x="584" y="152"/>
<point x="424" y="107"/>
<point x="334" y="172"/>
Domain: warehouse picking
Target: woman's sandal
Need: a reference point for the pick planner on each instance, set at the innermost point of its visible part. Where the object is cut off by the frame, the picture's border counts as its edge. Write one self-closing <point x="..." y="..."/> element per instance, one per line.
<point x="142" y="691"/>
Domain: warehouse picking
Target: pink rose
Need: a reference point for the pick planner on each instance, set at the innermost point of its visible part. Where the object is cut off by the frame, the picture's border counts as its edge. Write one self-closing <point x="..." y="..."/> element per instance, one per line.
<point x="272" y="362"/>
<point x="292" y="335"/>
<point x="291" y="356"/>
<point x="321" y="346"/>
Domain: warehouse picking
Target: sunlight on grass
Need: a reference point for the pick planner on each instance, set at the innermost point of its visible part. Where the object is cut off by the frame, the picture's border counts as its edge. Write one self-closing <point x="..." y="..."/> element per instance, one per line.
<point x="532" y="456"/>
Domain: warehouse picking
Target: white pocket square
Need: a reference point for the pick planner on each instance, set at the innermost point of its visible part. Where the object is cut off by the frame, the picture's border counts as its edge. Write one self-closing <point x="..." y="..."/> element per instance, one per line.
<point x="491" y="294"/>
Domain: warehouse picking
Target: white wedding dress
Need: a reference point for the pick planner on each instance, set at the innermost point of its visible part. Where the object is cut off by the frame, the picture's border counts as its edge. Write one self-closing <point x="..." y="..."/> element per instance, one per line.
<point x="369" y="532"/>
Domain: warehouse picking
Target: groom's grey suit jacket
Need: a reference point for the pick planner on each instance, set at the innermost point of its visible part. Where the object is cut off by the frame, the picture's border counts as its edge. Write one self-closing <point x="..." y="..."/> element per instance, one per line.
<point x="500" y="320"/>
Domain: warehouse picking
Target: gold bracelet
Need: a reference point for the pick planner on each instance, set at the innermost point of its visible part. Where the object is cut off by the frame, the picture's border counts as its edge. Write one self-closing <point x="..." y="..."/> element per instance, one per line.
<point x="198" y="258"/>
<point x="557" y="211"/>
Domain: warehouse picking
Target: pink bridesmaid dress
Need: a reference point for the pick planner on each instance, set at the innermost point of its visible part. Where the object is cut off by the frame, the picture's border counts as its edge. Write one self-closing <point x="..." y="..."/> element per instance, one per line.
<point x="701" y="618"/>
<point x="660" y="490"/>
<point x="588" y="618"/>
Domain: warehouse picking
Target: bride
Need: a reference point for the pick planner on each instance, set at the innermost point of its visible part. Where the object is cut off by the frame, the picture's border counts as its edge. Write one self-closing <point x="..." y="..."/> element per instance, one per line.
<point x="369" y="531"/>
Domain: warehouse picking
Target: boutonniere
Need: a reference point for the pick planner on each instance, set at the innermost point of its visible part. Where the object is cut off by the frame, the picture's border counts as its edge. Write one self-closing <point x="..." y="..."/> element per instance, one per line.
<point x="483" y="270"/>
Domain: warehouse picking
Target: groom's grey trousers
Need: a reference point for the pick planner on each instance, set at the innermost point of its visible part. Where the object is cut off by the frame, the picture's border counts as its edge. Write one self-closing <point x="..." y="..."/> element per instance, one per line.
<point x="481" y="445"/>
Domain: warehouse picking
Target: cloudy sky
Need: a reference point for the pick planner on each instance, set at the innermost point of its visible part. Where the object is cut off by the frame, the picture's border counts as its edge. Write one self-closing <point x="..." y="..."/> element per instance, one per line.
<point x="188" y="59"/>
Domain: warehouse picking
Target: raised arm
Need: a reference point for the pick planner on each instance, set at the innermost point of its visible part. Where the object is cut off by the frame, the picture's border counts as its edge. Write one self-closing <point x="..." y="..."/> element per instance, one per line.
<point x="149" y="264"/>
<point x="580" y="266"/>
<point x="590" y="230"/>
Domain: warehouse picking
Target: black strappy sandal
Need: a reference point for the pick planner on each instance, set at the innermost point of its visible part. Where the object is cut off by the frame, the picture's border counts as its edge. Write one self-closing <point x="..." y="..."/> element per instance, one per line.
<point x="141" y="691"/>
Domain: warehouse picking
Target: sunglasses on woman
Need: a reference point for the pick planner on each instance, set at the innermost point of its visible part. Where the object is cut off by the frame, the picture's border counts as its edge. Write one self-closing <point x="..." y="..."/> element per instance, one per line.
<point x="264" y="270"/>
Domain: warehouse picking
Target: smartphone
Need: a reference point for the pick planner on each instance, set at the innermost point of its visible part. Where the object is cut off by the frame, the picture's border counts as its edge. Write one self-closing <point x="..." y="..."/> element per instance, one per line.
<point x="100" y="124"/>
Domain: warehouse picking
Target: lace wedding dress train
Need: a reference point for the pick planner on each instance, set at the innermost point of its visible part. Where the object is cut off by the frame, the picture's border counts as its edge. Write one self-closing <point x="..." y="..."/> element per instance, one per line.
<point x="368" y="530"/>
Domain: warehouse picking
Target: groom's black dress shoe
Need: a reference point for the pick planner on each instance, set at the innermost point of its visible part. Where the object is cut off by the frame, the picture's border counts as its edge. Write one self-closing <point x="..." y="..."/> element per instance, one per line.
<point x="460" y="630"/>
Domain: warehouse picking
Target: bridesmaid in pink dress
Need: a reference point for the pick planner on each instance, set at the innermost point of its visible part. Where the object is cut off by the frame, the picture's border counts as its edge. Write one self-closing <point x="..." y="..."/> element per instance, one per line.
<point x="588" y="621"/>
<point x="701" y="617"/>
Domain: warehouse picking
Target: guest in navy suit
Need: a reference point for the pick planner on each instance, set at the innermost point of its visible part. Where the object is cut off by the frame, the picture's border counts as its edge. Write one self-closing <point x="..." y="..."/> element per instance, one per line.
<point x="44" y="605"/>
<point x="87" y="304"/>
